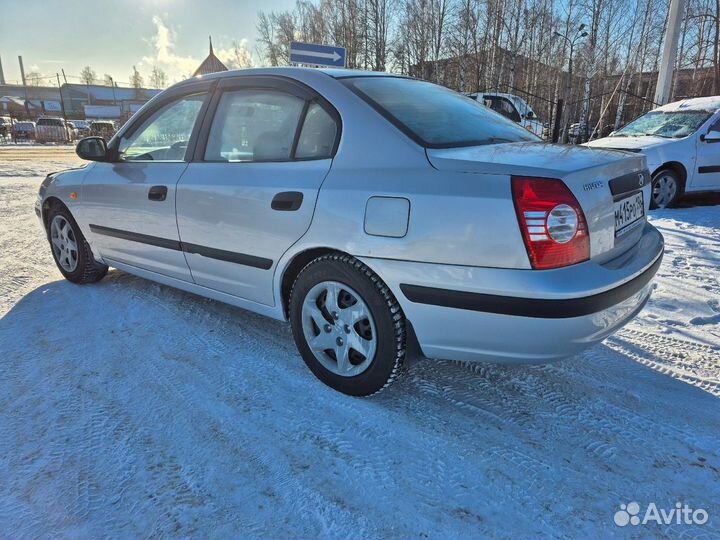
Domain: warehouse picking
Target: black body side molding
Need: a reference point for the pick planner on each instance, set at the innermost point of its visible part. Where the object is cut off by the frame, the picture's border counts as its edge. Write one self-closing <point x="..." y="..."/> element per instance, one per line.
<point x="529" y="307"/>
<point x="212" y="253"/>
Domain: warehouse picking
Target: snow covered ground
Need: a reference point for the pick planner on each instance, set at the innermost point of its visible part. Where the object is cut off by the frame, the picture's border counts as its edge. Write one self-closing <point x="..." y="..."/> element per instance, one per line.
<point x="129" y="409"/>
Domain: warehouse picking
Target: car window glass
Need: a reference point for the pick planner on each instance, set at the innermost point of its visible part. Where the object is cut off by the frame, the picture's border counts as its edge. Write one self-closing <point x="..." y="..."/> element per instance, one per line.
<point x="674" y="124"/>
<point x="254" y="125"/>
<point x="715" y="125"/>
<point x="436" y="116"/>
<point x="502" y="106"/>
<point x="317" y="137"/>
<point x="165" y="135"/>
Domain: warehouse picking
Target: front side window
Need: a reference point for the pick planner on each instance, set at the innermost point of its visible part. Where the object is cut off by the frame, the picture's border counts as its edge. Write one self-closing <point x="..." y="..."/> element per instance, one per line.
<point x="671" y="125"/>
<point x="715" y="126"/>
<point x="435" y="116"/>
<point x="254" y="125"/>
<point x="165" y="135"/>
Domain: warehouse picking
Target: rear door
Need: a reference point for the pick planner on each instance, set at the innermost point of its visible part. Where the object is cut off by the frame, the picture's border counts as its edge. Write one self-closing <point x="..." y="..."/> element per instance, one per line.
<point x="129" y="203"/>
<point x="707" y="174"/>
<point x="265" y="148"/>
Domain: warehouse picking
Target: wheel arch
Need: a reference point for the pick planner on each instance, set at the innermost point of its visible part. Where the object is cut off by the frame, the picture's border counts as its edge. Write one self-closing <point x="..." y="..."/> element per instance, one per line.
<point x="294" y="267"/>
<point x="301" y="259"/>
<point x="676" y="167"/>
<point x="47" y="205"/>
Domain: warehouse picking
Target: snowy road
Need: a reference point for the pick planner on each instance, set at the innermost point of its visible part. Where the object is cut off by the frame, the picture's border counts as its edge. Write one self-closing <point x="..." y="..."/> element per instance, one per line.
<point x="129" y="409"/>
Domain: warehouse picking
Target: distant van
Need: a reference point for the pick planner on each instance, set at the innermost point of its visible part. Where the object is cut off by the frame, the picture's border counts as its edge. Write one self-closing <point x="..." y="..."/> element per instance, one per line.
<point x="49" y="129"/>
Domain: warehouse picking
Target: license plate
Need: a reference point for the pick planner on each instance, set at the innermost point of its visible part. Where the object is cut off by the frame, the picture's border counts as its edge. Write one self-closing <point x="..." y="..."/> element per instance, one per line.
<point x="628" y="212"/>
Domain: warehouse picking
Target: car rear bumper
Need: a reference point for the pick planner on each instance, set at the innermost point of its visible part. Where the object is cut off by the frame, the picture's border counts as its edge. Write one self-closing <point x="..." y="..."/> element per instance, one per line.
<point x="521" y="316"/>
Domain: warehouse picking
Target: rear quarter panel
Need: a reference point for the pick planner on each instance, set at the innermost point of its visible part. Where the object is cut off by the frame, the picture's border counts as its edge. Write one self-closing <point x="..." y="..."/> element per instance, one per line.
<point x="455" y="218"/>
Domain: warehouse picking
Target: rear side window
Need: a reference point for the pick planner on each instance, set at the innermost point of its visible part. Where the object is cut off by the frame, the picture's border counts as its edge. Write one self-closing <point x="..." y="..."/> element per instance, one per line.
<point x="318" y="134"/>
<point x="435" y="116"/>
<point x="254" y="125"/>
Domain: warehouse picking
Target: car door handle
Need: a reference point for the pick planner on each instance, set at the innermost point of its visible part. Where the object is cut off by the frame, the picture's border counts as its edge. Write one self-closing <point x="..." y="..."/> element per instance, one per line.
<point x="287" y="201"/>
<point x="157" y="193"/>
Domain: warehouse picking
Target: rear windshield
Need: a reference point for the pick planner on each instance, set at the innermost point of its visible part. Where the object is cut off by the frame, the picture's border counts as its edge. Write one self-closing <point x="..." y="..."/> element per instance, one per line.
<point x="49" y="122"/>
<point x="435" y="116"/>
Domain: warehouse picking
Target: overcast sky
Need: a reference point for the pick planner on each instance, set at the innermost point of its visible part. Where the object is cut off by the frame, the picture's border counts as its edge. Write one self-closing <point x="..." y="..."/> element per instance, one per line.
<point x="113" y="35"/>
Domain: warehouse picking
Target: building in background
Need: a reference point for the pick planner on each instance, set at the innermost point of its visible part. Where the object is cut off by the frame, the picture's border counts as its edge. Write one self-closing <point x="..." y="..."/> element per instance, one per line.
<point x="107" y="102"/>
<point x="211" y="64"/>
<point x="81" y="101"/>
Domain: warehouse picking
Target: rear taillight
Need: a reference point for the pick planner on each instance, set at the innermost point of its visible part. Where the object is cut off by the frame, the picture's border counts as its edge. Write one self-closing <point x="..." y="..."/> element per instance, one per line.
<point x="552" y="223"/>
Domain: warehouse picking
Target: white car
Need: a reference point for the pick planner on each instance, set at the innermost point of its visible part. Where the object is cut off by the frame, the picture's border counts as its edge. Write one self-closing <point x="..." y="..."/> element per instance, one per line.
<point x="681" y="142"/>
<point x="513" y="107"/>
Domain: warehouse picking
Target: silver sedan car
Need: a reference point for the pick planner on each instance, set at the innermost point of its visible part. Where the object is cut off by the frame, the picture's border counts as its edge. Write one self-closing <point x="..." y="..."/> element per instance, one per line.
<point x="379" y="214"/>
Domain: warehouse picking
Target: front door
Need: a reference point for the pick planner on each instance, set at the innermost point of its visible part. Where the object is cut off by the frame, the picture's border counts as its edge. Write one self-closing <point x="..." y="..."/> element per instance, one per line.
<point x="707" y="175"/>
<point x="251" y="192"/>
<point x="129" y="204"/>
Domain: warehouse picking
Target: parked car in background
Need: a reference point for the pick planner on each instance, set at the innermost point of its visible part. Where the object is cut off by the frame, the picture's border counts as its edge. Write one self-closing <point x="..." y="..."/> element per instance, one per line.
<point x="6" y="124"/>
<point x="378" y="214"/>
<point x="102" y="128"/>
<point x="53" y="130"/>
<point x="72" y="131"/>
<point x="24" y="131"/>
<point x="83" y="127"/>
<point x="513" y="107"/>
<point x="681" y="142"/>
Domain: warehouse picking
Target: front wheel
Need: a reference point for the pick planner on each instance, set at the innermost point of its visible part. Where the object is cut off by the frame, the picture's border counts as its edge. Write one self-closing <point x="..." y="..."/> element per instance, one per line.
<point x="666" y="189"/>
<point x="71" y="252"/>
<point x="347" y="325"/>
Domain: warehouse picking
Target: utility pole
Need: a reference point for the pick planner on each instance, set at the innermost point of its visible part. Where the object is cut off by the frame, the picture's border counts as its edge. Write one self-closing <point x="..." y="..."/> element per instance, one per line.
<point x="2" y="75"/>
<point x="22" y="75"/>
<point x="672" y="34"/>
<point x="112" y="83"/>
<point x="579" y="34"/>
<point x="62" y="101"/>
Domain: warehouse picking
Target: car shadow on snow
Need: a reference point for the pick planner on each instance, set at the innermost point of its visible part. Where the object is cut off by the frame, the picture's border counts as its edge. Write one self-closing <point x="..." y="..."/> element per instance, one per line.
<point x="456" y="448"/>
<point x="690" y="200"/>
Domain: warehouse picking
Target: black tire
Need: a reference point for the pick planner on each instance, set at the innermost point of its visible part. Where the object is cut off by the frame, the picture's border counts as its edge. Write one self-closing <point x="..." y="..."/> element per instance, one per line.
<point x="663" y="176"/>
<point x="389" y="322"/>
<point x="88" y="270"/>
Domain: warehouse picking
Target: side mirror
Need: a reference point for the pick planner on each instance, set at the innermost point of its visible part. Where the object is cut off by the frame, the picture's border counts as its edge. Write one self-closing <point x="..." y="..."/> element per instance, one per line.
<point x="92" y="149"/>
<point x="711" y="137"/>
<point x="529" y="115"/>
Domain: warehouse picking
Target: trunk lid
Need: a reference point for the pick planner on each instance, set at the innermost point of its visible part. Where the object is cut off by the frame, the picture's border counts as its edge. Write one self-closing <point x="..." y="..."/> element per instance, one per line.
<point x="598" y="179"/>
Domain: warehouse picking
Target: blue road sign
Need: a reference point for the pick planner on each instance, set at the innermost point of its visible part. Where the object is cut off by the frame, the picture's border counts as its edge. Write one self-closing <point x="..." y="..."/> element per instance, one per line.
<point x="321" y="55"/>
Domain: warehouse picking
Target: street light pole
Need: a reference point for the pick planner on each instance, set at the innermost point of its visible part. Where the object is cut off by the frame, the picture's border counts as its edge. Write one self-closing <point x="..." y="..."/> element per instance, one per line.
<point x="672" y="34"/>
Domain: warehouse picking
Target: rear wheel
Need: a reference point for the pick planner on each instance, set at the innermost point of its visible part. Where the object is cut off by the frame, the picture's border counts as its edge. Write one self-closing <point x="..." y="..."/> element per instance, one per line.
<point x="347" y="325"/>
<point x="666" y="189"/>
<point x="71" y="252"/>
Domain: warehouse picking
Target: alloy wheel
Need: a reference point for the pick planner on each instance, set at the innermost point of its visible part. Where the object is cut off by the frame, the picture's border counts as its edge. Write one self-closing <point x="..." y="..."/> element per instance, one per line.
<point x="64" y="243"/>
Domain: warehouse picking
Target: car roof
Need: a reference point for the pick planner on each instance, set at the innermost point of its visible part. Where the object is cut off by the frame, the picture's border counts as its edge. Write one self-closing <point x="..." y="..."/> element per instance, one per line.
<point x="500" y="94"/>
<point x="289" y="71"/>
<point x="710" y="103"/>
